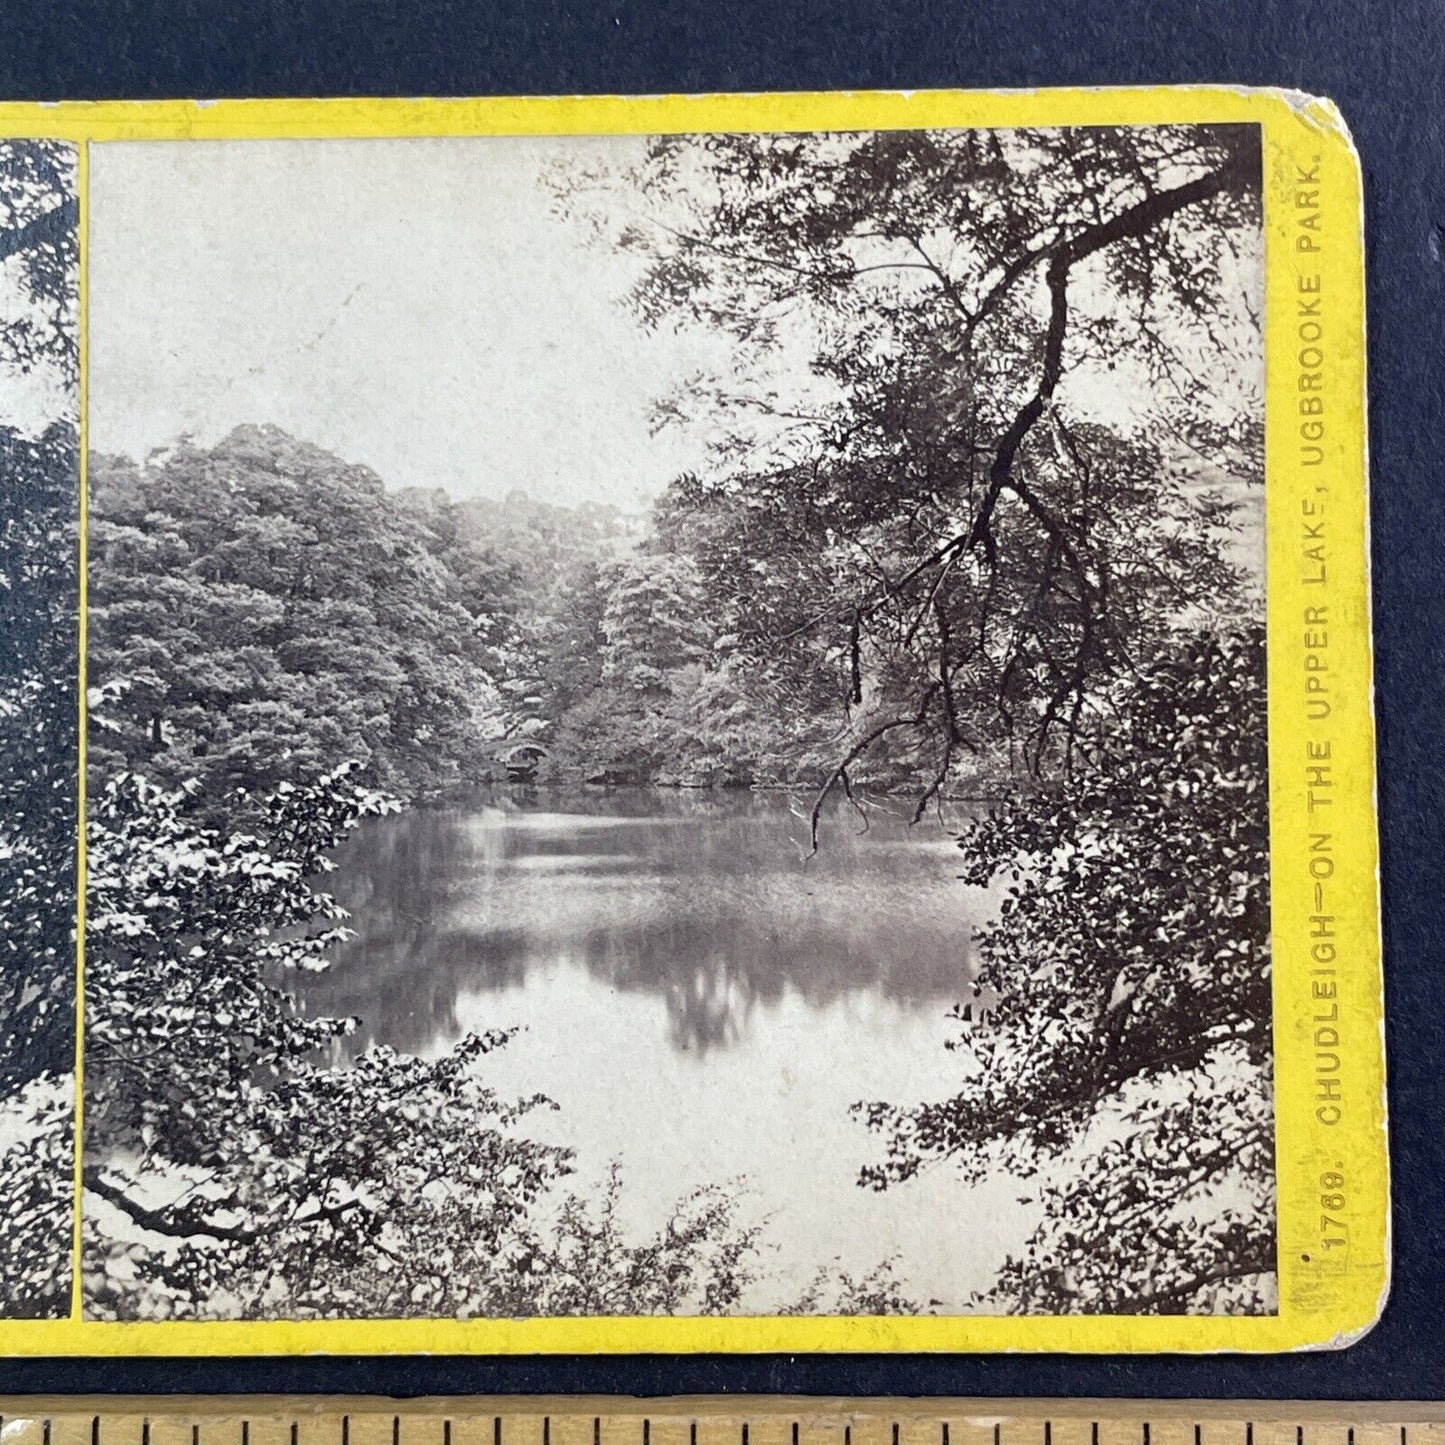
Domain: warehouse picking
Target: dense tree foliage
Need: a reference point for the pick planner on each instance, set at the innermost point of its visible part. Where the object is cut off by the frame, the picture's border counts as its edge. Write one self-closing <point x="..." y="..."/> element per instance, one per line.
<point x="39" y="725"/>
<point x="262" y="611"/>
<point x="229" y="1172"/>
<point x="37" y="1164"/>
<point x="971" y="524"/>
<point x="277" y="640"/>
<point x="971" y="542"/>
<point x="39" y="717"/>
<point x="1125" y="1068"/>
<point x="945" y="542"/>
<point x="40" y="249"/>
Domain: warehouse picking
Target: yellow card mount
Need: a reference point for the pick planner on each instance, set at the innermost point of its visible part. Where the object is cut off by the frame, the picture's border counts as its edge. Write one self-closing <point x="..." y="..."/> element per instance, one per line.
<point x="691" y="723"/>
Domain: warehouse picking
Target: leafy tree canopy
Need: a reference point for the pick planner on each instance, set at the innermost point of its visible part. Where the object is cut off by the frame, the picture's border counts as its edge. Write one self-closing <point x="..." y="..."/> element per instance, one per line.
<point x="39" y="725"/>
<point x="1007" y="471"/>
<point x="1124" y="1066"/>
<point x="989" y="541"/>
<point x="263" y="611"/>
<point x="231" y="1172"/>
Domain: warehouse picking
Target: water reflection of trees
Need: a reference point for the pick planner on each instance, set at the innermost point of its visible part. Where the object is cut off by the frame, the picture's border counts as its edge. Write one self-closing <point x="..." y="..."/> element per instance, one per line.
<point x="695" y="921"/>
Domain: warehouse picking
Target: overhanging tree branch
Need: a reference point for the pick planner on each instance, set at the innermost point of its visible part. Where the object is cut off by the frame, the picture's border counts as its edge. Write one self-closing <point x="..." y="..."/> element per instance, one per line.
<point x="175" y="1224"/>
<point x="839" y="773"/>
<point x="1181" y="1293"/>
<point x="1061" y="258"/>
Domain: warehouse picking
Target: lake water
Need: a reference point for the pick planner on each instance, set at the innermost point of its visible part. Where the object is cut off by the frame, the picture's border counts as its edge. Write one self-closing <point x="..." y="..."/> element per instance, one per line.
<point x="702" y="1000"/>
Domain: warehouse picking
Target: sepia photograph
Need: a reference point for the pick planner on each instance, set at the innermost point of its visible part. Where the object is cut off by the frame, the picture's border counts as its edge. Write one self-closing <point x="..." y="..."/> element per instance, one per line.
<point x="39" y="721"/>
<point x="676" y="725"/>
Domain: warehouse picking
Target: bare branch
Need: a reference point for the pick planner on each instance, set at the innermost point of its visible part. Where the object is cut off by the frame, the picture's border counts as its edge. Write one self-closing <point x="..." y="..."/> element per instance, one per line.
<point x="839" y="773"/>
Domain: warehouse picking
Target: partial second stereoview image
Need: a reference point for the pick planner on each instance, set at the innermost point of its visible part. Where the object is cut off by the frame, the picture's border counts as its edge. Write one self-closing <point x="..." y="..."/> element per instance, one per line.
<point x="676" y="726"/>
<point x="39" y="722"/>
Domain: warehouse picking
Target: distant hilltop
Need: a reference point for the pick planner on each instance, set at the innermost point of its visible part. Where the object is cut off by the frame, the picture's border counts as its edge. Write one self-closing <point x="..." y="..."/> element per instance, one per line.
<point x="285" y="453"/>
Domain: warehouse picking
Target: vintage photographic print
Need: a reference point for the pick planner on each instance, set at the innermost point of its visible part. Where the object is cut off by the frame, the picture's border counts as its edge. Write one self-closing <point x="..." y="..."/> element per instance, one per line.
<point x="39" y="721"/>
<point x="677" y="727"/>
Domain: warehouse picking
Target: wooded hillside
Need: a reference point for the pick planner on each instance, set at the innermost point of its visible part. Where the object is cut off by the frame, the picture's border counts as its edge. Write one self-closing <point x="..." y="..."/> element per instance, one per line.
<point x="997" y="542"/>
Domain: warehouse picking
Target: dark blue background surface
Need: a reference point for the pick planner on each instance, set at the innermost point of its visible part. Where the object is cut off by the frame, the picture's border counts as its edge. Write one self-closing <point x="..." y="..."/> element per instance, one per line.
<point x="1385" y="66"/>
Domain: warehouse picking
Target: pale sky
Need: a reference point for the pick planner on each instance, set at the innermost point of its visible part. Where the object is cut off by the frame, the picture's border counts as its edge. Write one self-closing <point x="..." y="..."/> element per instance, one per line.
<point x="410" y="304"/>
<point x="417" y="306"/>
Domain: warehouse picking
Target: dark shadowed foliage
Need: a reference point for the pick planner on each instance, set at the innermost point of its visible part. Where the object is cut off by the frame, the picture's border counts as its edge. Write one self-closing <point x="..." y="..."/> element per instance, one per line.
<point x="39" y="735"/>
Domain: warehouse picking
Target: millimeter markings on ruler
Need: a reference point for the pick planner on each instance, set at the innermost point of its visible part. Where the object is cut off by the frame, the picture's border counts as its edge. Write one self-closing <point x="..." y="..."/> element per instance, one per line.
<point x="735" y="1420"/>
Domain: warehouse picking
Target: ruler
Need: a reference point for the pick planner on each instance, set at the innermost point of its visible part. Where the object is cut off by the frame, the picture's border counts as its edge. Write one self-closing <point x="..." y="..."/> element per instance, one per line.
<point x="733" y="1420"/>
